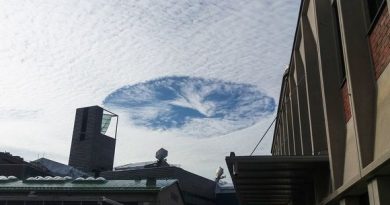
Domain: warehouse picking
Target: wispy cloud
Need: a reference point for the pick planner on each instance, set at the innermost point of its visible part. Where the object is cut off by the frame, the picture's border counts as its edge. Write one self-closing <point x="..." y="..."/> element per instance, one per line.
<point x="18" y="114"/>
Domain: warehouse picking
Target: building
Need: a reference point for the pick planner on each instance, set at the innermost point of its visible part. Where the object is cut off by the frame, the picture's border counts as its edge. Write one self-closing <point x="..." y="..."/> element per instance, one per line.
<point x="88" y="191"/>
<point x="195" y="189"/>
<point x="92" y="149"/>
<point x="92" y="154"/>
<point x="226" y="195"/>
<point x="16" y="166"/>
<point x="331" y="139"/>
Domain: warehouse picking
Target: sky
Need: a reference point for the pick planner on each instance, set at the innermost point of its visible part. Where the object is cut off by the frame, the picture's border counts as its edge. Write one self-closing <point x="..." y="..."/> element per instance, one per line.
<point x="200" y="78"/>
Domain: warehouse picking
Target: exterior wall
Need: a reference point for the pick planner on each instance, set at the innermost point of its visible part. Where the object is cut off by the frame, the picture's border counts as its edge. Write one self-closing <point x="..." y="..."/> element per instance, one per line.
<point x="90" y="150"/>
<point x="380" y="43"/>
<point x="351" y="167"/>
<point x="346" y="102"/>
<point x="380" y="49"/>
<point x="195" y="189"/>
<point x="355" y="115"/>
<point x="170" y="196"/>
<point x="382" y="144"/>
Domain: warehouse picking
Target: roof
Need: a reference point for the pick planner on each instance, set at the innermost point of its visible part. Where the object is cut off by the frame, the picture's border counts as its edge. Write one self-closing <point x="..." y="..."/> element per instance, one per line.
<point x="73" y="185"/>
<point x="8" y="158"/>
<point x="58" y="169"/>
<point x="273" y="179"/>
<point x="189" y="182"/>
<point x="140" y="165"/>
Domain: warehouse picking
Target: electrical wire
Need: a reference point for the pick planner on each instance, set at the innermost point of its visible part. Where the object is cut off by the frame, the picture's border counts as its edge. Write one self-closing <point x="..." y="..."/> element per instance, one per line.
<point x="273" y="121"/>
<point x="261" y="139"/>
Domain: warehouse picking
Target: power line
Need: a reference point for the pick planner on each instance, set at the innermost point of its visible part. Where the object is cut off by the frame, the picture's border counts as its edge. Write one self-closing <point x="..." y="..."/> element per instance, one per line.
<point x="277" y="112"/>
<point x="261" y="139"/>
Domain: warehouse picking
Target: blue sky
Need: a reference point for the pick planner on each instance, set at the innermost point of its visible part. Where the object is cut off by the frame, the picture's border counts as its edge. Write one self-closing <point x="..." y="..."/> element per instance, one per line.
<point x="57" y="55"/>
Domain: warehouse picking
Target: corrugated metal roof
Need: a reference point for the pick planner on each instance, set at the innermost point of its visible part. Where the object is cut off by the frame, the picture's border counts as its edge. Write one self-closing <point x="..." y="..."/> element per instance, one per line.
<point x="274" y="179"/>
<point x="109" y="185"/>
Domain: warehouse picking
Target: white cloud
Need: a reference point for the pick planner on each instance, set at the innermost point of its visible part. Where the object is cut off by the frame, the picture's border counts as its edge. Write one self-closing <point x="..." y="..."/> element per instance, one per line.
<point x="57" y="55"/>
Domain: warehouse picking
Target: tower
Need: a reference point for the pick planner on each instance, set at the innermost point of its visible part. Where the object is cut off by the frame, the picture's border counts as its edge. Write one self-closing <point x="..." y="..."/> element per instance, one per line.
<point x="93" y="140"/>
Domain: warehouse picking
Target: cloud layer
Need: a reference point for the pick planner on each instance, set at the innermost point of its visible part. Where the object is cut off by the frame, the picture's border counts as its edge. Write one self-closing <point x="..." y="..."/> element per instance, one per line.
<point x="58" y="55"/>
<point x="191" y="105"/>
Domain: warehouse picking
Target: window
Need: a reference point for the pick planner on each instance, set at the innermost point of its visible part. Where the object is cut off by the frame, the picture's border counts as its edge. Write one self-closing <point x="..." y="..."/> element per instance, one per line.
<point x="373" y="8"/>
<point x="340" y="52"/>
<point x="84" y="124"/>
<point x="15" y="202"/>
<point x="34" y="203"/>
<point x="84" y="120"/>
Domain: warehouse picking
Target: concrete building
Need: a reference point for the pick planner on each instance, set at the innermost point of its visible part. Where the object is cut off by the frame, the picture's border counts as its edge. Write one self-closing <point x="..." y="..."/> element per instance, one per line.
<point x="92" y="149"/>
<point x="332" y="132"/>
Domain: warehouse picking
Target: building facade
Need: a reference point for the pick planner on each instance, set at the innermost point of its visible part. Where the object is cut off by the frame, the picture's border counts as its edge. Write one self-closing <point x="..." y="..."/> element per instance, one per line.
<point x="92" y="150"/>
<point x="335" y="105"/>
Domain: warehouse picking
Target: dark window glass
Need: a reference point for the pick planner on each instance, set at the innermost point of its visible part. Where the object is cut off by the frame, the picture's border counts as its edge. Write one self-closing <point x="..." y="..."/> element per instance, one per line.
<point x="2" y="202"/>
<point x="34" y="202"/>
<point x="129" y="203"/>
<point x="340" y="53"/>
<point x="84" y="121"/>
<point x="373" y="7"/>
<point x="84" y="124"/>
<point x="72" y="202"/>
<point x="364" y="200"/>
<point x="15" y="202"/>
<point x="89" y="203"/>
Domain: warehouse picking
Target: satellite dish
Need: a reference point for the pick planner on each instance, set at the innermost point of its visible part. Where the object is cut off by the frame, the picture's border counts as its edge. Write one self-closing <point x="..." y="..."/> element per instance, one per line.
<point x="161" y="154"/>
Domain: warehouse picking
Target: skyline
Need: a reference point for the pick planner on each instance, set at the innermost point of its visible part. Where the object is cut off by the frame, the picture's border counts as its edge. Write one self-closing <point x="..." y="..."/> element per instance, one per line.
<point x="59" y="55"/>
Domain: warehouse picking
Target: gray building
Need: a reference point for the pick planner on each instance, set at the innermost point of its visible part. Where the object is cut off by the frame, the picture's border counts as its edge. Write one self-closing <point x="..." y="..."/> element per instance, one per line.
<point x="92" y="150"/>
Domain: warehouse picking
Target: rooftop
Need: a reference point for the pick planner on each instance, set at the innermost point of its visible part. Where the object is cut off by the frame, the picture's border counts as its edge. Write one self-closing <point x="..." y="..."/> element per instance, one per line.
<point x="80" y="184"/>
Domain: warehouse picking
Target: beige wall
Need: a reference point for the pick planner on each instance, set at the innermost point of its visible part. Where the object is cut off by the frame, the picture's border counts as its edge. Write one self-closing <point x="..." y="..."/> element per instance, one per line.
<point x="351" y="163"/>
<point x="382" y="141"/>
<point x="358" y="147"/>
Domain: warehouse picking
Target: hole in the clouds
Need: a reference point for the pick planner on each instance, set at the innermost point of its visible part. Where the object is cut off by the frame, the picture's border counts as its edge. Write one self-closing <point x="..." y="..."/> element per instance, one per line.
<point x="194" y="106"/>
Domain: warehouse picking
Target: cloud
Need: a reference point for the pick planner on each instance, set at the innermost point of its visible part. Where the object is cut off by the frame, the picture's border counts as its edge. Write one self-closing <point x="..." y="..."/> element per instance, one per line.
<point x="16" y="114"/>
<point x="191" y="105"/>
<point x="56" y="56"/>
